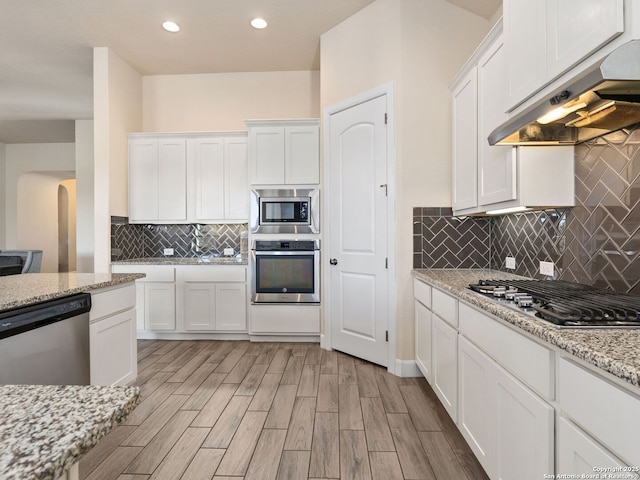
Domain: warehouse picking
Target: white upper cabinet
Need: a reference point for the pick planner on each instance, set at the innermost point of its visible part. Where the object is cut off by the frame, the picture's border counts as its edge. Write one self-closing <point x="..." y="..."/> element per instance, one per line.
<point x="496" y="164"/>
<point x="489" y="177"/>
<point x="465" y="142"/>
<point x="157" y="180"/>
<point x="236" y="179"/>
<point x="206" y="161"/>
<point x="546" y="38"/>
<point x="188" y="178"/>
<point x="219" y="186"/>
<point x="284" y="152"/>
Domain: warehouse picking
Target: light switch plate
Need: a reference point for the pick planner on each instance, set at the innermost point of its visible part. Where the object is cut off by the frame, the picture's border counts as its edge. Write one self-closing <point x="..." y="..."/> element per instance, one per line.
<point x="510" y="262"/>
<point x="228" y="252"/>
<point x="168" y="251"/>
<point x="547" y="268"/>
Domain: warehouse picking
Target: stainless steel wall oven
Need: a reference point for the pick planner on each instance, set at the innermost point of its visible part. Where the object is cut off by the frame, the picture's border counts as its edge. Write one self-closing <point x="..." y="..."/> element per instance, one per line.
<point x="285" y="271"/>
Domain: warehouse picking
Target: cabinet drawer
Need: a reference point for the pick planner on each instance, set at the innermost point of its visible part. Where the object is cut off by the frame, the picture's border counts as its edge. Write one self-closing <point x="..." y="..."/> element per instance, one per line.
<point x="108" y="302"/>
<point x="607" y="412"/>
<point x="154" y="273"/>
<point x="445" y="306"/>
<point x="422" y="292"/>
<point x="211" y="273"/>
<point x="531" y="362"/>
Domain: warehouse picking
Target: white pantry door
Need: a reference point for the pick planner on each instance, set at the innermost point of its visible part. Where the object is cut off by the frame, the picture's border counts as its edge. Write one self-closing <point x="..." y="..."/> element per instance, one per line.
<point x="358" y="218"/>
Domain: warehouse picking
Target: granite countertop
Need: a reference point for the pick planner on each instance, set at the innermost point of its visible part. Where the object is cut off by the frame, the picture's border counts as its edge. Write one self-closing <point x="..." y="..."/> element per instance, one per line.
<point x="237" y="260"/>
<point x="616" y="351"/>
<point x="30" y="288"/>
<point x="45" y="429"/>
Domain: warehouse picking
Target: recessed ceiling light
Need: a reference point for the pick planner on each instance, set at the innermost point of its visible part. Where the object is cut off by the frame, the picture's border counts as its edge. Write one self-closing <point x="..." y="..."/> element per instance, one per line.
<point x="259" y="23"/>
<point x="172" y="27"/>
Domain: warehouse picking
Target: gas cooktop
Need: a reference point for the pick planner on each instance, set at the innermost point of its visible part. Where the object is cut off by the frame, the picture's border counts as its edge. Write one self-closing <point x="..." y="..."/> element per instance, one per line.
<point x="565" y="304"/>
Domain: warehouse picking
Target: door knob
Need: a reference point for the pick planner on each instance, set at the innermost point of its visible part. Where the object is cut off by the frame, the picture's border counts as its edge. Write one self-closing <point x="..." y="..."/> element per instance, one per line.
<point x="333" y="261"/>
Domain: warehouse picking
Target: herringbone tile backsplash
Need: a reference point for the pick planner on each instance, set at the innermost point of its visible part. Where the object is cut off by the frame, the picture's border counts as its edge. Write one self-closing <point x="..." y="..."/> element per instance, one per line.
<point x="135" y="241"/>
<point x="597" y="242"/>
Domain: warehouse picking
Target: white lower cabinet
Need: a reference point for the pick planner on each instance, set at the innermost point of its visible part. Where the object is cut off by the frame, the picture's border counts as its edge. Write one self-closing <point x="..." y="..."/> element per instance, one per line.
<point x="445" y="364"/>
<point x="159" y="306"/>
<point x="423" y="339"/>
<point x="112" y="336"/>
<point x="215" y="306"/>
<point x="524" y="427"/>
<point x="181" y="299"/>
<point x="475" y="399"/>
<point x="499" y="386"/>
<point x="579" y="454"/>
<point x="508" y="427"/>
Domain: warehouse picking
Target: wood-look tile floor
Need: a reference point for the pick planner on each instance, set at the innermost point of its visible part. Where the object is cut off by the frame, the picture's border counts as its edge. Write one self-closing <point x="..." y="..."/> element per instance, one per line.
<point x="241" y="410"/>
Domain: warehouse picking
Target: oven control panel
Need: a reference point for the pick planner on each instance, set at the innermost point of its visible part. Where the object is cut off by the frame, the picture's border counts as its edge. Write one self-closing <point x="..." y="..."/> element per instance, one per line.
<point x="284" y="245"/>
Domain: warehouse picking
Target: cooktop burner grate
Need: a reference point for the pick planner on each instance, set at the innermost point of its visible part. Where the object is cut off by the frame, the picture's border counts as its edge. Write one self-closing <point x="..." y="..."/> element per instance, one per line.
<point x="570" y="304"/>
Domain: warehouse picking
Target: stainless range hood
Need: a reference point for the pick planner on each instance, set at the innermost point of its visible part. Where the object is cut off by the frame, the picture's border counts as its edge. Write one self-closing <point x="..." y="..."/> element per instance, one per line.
<point x="602" y="99"/>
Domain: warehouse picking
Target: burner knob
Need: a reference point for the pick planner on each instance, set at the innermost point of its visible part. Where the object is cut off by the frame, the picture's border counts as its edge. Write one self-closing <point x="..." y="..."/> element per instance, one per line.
<point x="499" y="292"/>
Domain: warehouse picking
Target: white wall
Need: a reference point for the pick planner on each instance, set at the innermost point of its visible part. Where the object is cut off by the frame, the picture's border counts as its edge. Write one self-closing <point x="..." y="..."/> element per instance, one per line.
<point x="222" y="101"/>
<point x="117" y="106"/>
<point x="84" y="196"/>
<point x="3" y="194"/>
<point x="48" y="158"/>
<point x="424" y="43"/>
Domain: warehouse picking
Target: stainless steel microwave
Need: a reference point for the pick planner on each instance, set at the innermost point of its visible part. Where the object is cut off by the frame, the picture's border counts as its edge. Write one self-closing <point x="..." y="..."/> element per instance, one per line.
<point x="285" y="210"/>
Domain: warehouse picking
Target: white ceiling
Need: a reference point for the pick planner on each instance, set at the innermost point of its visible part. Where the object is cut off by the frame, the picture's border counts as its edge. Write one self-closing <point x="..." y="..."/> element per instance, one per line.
<point x="46" y="48"/>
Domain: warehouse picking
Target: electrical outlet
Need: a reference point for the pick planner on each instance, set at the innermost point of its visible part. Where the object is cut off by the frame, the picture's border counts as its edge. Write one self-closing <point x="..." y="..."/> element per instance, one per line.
<point x="228" y="252"/>
<point x="510" y="262"/>
<point x="547" y="268"/>
<point x="168" y="251"/>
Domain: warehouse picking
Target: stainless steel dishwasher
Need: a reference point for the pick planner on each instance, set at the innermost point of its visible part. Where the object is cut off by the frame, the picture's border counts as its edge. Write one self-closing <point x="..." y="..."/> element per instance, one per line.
<point x="46" y="343"/>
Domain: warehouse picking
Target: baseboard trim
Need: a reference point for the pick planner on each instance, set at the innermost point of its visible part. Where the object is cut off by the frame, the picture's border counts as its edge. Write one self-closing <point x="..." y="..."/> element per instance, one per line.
<point x="407" y="368"/>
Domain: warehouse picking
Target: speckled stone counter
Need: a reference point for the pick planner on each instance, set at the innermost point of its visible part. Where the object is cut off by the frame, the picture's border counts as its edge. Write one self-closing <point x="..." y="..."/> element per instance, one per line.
<point x="20" y="290"/>
<point x="616" y="351"/>
<point x="241" y="260"/>
<point x="45" y="429"/>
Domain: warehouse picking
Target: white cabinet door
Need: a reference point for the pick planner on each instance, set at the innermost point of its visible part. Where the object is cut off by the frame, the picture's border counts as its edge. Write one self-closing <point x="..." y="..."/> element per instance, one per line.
<point x="206" y="160"/>
<point x="172" y="179"/>
<point x="266" y="155"/>
<point x="475" y="396"/>
<point x="445" y="364"/>
<point x="579" y="454"/>
<point x="496" y="165"/>
<point x="526" y="48"/>
<point x="199" y="306"/>
<point x="143" y="179"/>
<point x="423" y="339"/>
<point x="465" y="142"/>
<point x="302" y="154"/>
<point x="576" y="28"/>
<point x="284" y="153"/>
<point x="159" y="306"/>
<point x="215" y="306"/>
<point x="231" y="306"/>
<point x="236" y="200"/>
<point x="113" y="349"/>
<point x="524" y="430"/>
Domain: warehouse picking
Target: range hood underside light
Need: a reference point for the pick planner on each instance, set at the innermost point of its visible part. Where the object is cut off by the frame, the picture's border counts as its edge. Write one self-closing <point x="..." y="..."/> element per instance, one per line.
<point x="601" y="100"/>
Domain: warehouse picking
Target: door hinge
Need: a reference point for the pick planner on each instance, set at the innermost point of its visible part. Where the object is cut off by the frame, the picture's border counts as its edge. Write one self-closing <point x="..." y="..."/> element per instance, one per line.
<point x="386" y="262"/>
<point x="386" y="118"/>
<point x="386" y="335"/>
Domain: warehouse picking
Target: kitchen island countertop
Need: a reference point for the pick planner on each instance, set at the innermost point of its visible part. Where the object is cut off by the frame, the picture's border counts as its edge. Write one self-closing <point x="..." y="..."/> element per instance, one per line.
<point x="616" y="351"/>
<point x="45" y="429"/>
<point x="30" y="288"/>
